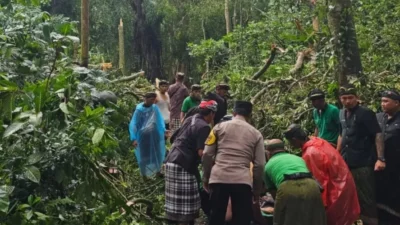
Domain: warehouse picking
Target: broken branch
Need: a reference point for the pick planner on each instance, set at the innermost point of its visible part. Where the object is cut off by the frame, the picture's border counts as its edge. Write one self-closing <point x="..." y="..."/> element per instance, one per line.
<point x="129" y="78"/>
<point x="267" y="64"/>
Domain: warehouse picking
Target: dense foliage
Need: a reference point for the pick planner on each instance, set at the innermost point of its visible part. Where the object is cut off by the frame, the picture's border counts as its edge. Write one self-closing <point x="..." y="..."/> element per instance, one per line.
<point x="59" y="143"/>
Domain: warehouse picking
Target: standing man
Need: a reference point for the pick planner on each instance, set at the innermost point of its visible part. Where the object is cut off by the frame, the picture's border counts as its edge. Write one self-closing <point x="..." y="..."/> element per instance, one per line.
<point x="182" y="198"/>
<point x="326" y="117"/>
<point x="328" y="167"/>
<point x="147" y="132"/>
<point x="388" y="180"/>
<point x="177" y="93"/>
<point x="361" y="145"/>
<point x="220" y="96"/>
<point x="163" y="101"/>
<point x="193" y="100"/>
<point x="226" y="173"/>
<point x="297" y="195"/>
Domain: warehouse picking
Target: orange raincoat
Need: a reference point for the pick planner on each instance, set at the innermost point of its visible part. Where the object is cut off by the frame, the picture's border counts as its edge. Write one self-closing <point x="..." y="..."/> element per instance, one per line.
<point x="328" y="167"/>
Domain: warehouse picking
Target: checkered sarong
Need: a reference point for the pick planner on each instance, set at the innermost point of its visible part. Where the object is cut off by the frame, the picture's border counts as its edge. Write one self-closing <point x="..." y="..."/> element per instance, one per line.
<point x="182" y="198"/>
<point x="174" y="124"/>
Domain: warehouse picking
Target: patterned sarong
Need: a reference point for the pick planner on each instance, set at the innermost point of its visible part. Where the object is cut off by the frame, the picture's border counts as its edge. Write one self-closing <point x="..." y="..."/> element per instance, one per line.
<point x="182" y="198"/>
<point x="174" y="124"/>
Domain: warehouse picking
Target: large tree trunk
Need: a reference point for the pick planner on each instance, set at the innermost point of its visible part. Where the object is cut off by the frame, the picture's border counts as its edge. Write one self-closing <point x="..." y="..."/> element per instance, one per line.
<point x="341" y="24"/>
<point x="121" y="47"/>
<point x="85" y="33"/>
<point x="227" y="17"/>
<point x="147" y="44"/>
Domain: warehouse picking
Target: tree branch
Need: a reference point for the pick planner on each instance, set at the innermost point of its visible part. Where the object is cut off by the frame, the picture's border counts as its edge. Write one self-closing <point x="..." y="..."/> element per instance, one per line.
<point x="267" y="64"/>
<point x="129" y="78"/>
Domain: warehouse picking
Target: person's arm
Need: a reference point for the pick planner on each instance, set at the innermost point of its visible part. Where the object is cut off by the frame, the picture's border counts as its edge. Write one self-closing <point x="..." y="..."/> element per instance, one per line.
<point x="209" y="155"/>
<point x="317" y="163"/>
<point x="184" y="109"/>
<point x="258" y="166"/>
<point x="316" y="132"/>
<point x="133" y="127"/>
<point x="339" y="143"/>
<point x="373" y="128"/>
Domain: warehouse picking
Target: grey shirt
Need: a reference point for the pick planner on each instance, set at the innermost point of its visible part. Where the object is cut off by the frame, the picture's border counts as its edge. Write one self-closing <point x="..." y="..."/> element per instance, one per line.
<point x="230" y="149"/>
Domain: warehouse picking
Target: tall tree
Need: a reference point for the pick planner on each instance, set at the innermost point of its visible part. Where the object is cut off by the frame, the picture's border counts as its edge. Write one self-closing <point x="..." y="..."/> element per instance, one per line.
<point x="341" y="24"/>
<point x="121" y="47"/>
<point x="227" y="17"/>
<point x="147" y="41"/>
<point x="85" y="33"/>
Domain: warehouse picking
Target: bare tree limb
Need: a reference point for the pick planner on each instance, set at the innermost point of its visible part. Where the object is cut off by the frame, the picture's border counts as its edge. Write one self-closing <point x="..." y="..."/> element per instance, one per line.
<point x="302" y="78"/>
<point x="267" y="64"/>
<point x="299" y="63"/>
<point x="129" y="78"/>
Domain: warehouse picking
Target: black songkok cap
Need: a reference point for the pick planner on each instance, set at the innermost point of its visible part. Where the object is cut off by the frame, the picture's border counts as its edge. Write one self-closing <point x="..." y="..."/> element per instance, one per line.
<point x="163" y="82"/>
<point x="223" y="86"/>
<point x="195" y="87"/>
<point x="348" y="89"/>
<point x="150" y="95"/>
<point x="295" y="131"/>
<point x="316" y="94"/>
<point x="243" y="108"/>
<point x="392" y="94"/>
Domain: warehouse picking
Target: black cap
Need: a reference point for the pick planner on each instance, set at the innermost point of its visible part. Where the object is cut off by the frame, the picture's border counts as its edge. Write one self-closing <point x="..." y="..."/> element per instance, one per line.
<point x="195" y="87"/>
<point x="223" y="86"/>
<point x="150" y="95"/>
<point x="162" y="82"/>
<point x="316" y="94"/>
<point x="295" y="131"/>
<point x="392" y="94"/>
<point x="348" y="89"/>
<point x="243" y="108"/>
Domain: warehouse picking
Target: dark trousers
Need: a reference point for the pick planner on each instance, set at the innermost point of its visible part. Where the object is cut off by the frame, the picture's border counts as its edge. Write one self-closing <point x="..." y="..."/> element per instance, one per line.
<point x="241" y="199"/>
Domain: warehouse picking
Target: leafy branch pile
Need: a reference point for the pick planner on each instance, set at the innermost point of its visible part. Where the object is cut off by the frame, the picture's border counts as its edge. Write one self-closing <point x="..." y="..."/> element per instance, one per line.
<point x="65" y="155"/>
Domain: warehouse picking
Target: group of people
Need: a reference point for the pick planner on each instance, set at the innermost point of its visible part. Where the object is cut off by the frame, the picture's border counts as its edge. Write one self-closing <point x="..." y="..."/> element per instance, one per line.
<point x="348" y="170"/>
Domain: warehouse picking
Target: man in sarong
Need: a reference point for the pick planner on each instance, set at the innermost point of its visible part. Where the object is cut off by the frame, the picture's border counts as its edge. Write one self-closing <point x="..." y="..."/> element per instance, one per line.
<point x="182" y="198"/>
<point x="177" y="93"/>
<point x="360" y="142"/>
<point x="297" y="199"/>
<point x="326" y="117"/>
<point x="220" y="96"/>
<point x="230" y="148"/>
<point x="330" y="170"/>
<point x="147" y="132"/>
<point x="388" y="180"/>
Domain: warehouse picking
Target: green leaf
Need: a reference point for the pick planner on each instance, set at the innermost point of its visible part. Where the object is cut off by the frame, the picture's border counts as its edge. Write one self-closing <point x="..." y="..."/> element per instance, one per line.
<point x="32" y="173"/>
<point x="64" y="108"/>
<point x="5" y="191"/>
<point x="35" y="2"/>
<point x="12" y="129"/>
<point x="98" y="135"/>
<point x="34" y="158"/>
<point x="4" y="204"/>
<point x="29" y="214"/>
<point x="46" y="31"/>
<point x="41" y="216"/>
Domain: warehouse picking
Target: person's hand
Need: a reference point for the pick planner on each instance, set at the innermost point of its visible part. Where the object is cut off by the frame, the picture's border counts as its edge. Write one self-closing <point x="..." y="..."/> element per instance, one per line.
<point x="168" y="133"/>
<point x="379" y="165"/>
<point x="134" y="143"/>
<point x="256" y="199"/>
<point x="206" y="187"/>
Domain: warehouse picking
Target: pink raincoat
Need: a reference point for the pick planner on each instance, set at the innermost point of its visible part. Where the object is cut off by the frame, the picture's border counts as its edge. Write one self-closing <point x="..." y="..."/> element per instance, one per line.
<point x="328" y="167"/>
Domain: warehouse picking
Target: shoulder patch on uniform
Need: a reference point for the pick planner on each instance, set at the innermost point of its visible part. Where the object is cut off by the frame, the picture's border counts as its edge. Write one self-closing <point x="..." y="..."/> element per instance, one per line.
<point x="211" y="138"/>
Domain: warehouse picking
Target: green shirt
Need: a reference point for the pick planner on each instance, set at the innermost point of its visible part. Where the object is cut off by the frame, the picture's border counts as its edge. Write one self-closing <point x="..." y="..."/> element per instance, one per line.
<point x="281" y="164"/>
<point x="328" y="123"/>
<point x="189" y="103"/>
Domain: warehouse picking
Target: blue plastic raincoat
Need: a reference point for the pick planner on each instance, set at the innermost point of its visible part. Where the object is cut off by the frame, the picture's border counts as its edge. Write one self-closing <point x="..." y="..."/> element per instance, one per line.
<point x="147" y="128"/>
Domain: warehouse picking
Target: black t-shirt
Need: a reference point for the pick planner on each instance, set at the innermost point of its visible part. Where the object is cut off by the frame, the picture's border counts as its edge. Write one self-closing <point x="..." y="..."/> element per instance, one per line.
<point x="391" y="132"/>
<point x="222" y="106"/>
<point x="358" y="131"/>
<point x="189" y="138"/>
